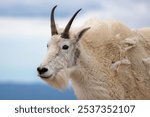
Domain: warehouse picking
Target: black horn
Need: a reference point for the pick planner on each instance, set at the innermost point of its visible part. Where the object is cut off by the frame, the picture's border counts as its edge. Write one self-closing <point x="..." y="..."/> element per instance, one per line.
<point x="53" y="25"/>
<point x="65" y="34"/>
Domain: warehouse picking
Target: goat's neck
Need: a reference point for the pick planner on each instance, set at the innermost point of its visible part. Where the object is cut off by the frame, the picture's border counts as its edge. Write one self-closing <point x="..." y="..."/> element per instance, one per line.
<point x="87" y="80"/>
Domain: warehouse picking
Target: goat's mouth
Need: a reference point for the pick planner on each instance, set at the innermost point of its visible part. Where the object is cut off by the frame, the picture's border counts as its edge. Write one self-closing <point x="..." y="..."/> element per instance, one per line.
<point x="45" y="77"/>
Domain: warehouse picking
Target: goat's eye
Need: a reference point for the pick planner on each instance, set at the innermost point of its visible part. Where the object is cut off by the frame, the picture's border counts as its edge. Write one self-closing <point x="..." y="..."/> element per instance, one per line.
<point x="65" y="47"/>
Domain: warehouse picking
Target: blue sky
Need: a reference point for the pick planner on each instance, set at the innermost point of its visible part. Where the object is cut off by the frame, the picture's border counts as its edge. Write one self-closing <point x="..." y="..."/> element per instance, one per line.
<point x="24" y="29"/>
<point x="135" y="13"/>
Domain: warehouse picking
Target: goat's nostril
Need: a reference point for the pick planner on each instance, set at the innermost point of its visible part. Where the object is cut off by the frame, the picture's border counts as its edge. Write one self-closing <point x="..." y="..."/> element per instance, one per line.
<point x="42" y="70"/>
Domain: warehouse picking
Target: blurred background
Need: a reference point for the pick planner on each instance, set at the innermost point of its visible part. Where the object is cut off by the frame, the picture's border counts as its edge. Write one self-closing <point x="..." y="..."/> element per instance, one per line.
<point x="25" y="31"/>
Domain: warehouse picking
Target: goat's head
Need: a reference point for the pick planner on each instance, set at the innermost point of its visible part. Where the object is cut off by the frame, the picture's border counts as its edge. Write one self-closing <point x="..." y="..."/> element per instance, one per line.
<point x="62" y="49"/>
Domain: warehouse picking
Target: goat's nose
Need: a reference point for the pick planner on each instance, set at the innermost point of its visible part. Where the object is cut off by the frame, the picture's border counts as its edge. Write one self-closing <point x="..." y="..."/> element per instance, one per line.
<point x="42" y="70"/>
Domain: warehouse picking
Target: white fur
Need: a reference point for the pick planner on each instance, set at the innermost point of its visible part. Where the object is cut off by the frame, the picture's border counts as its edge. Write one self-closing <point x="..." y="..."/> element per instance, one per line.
<point x="113" y="62"/>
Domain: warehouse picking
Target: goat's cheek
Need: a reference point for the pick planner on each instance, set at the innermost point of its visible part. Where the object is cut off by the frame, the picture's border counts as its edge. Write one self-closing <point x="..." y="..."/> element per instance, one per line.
<point x="60" y="62"/>
<point x="65" y="61"/>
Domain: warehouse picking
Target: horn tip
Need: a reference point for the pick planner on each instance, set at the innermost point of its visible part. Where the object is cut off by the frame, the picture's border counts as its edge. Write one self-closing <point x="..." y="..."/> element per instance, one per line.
<point x="80" y="9"/>
<point x="54" y="7"/>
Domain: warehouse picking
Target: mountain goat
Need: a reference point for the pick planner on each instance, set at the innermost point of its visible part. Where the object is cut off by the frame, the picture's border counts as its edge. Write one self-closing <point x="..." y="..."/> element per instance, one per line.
<point x="103" y="59"/>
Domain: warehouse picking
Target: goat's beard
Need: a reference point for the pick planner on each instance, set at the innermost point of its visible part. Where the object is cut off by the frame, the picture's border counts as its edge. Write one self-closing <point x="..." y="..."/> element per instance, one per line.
<point x="59" y="80"/>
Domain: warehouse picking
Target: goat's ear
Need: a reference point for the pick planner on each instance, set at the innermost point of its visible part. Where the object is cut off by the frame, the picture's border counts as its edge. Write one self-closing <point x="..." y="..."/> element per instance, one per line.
<point x="81" y="33"/>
